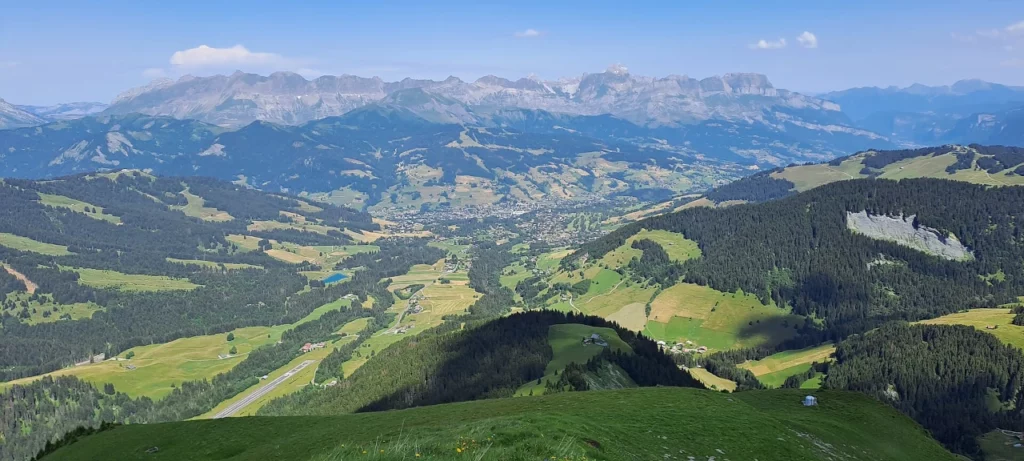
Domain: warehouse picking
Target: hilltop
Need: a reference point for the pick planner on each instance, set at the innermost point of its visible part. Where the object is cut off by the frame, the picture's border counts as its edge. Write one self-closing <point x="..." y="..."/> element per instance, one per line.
<point x="975" y="164"/>
<point x="663" y="423"/>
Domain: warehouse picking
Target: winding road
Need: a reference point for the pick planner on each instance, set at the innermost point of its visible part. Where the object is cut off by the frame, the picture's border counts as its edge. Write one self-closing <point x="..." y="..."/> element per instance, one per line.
<point x="245" y="401"/>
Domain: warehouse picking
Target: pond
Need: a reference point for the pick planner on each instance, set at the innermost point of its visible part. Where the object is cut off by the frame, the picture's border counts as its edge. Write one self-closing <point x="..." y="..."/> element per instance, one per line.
<point x="337" y="277"/>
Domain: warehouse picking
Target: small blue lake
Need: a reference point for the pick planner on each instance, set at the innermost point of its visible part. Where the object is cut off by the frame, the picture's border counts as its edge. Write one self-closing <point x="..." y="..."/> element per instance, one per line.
<point x="334" y="278"/>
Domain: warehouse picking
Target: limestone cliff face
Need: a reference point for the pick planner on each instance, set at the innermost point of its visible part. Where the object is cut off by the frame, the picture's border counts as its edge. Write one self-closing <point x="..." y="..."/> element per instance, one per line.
<point x="288" y="98"/>
<point x="901" y="230"/>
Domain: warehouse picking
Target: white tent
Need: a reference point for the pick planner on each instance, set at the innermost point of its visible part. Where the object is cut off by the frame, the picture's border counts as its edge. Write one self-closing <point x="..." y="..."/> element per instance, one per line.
<point x="810" y="401"/>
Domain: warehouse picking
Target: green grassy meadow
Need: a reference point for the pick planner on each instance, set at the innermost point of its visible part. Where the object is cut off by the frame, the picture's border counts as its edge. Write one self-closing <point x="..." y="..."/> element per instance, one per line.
<point x="60" y="201"/>
<point x="197" y="208"/>
<point x="37" y="309"/>
<point x="718" y="320"/>
<point x="130" y="282"/>
<point x="648" y="423"/>
<point x="773" y="370"/>
<point x="981" y="318"/>
<point x="711" y="381"/>
<point x="27" y="244"/>
<point x="159" y="367"/>
<point x="213" y="264"/>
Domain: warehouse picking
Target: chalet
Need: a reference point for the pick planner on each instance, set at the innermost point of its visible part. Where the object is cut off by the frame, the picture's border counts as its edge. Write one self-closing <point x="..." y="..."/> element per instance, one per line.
<point x="702" y="349"/>
<point x="595" y="339"/>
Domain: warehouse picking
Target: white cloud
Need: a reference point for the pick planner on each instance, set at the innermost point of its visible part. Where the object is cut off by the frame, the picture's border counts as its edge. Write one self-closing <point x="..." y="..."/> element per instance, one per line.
<point x="807" y="40"/>
<point x="529" y="33"/>
<point x="766" y="45"/>
<point x="238" y="55"/>
<point x="1003" y="33"/>
<point x="154" y="73"/>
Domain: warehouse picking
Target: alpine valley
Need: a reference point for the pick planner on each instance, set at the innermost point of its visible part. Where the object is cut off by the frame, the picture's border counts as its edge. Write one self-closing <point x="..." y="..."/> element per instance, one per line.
<point x="607" y="267"/>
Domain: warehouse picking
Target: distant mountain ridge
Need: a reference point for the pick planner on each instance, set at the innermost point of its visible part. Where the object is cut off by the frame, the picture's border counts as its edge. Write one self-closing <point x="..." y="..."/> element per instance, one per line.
<point x="288" y="98"/>
<point x="12" y="116"/>
<point x="66" y="111"/>
<point x="929" y="115"/>
<point x="733" y="116"/>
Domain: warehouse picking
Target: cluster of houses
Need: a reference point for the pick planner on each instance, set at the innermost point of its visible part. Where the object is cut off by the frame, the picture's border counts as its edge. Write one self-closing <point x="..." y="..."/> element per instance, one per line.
<point x="454" y="265"/>
<point x="414" y="303"/>
<point x="309" y="347"/>
<point x="682" y="348"/>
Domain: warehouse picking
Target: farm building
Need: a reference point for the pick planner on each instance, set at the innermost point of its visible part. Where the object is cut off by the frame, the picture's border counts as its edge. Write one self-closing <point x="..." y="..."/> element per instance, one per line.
<point x="595" y="339"/>
<point x="312" y="347"/>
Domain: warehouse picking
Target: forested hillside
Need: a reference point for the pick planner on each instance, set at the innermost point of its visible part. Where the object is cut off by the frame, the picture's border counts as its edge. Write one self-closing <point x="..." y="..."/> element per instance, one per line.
<point x="956" y="381"/>
<point x="850" y="257"/>
<point x="139" y="225"/>
<point x="95" y="265"/>
<point x="488" y="361"/>
<point x="989" y="165"/>
<point x="799" y="251"/>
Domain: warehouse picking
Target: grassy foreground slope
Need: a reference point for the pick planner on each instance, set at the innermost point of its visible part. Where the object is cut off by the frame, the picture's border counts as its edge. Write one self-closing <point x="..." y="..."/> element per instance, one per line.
<point x="650" y="423"/>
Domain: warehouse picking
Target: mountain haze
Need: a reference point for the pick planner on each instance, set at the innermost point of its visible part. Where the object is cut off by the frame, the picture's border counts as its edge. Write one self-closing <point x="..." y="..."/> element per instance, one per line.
<point x="12" y="116"/>
<point x="968" y="111"/>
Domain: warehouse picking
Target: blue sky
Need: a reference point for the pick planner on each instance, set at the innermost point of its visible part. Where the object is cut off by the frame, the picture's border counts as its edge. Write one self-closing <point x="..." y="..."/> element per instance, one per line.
<point x="71" y="51"/>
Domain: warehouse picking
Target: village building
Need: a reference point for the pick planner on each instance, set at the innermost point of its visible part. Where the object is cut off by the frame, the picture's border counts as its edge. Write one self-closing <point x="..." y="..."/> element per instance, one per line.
<point x="308" y="347"/>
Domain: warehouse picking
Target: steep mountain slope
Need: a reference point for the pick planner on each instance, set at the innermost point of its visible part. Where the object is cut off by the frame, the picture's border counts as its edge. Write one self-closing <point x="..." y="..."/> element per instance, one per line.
<point x="605" y="425"/>
<point x="12" y="116"/>
<point x="375" y="153"/>
<point x="744" y="114"/>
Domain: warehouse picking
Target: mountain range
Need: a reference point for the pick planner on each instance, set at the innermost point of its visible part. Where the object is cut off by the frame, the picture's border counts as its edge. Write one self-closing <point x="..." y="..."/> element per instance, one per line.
<point x="16" y="116"/>
<point x="965" y="112"/>
<point x="377" y="153"/>
<point x="606" y="133"/>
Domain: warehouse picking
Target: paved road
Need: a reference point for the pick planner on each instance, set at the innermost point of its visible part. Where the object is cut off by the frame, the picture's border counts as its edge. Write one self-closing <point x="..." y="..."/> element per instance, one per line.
<point x="245" y="401"/>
